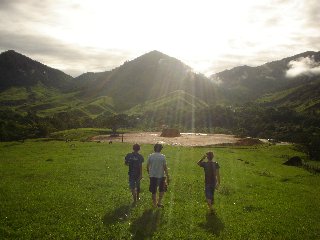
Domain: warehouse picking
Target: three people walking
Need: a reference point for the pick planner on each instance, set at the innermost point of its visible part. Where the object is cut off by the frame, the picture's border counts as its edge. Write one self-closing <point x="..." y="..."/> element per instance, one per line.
<point x="159" y="175"/>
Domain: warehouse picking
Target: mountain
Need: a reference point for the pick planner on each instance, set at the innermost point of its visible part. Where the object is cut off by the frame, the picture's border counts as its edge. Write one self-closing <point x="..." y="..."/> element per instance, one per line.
<point x="18" y="70"/>
<point x="29" y="85"/>
<point x="155" y="90"/>
<point x="86" y="80"/>
<point x="244" y="83"/>
<point x="151" y="84"/>
<point x="147" y="77"/>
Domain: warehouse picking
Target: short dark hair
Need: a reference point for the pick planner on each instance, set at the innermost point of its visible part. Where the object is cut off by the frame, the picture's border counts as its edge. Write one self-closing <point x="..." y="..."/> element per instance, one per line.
<point x="157" y="147"/>
<point x="210" y="155"/>
<point x="136" y="147"/>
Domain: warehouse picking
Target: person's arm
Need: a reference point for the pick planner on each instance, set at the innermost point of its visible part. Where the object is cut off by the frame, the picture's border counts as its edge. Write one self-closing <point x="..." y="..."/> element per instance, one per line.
<point x="140" y="175"/>
<point x="166" y="172"/>
<point x="126" y="160"/>
<point x="200" y="161"/>
<point x="148" y="165"/>
<point x="217" y="178"/>
<point x="142" y="160"/>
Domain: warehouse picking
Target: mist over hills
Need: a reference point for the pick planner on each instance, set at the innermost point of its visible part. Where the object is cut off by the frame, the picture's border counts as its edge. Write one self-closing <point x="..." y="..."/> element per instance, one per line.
<point x="278" y="79"/>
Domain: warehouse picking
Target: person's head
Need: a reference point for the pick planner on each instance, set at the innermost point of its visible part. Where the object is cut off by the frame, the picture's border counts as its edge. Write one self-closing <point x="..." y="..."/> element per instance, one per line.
<point x="157" y="147"/>
<point x="210" y="155"/>
<point x="136" y="147"/>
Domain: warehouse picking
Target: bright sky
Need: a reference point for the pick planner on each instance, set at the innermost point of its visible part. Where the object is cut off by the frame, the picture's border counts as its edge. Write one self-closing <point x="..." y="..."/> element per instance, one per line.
<point x="208" y="35"/>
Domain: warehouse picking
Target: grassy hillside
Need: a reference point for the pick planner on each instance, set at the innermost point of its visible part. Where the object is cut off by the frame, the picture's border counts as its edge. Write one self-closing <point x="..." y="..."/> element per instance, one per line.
<point x="174" y="109"/>
<point x="99" y="105"/>
<point x="14" y="94"/>
<point x="301" y="98"/>
<point x="178" y="100"/>
<point x="48" y="101"/>
<point x="37" y="98"/>
<point x="52" y="190"/>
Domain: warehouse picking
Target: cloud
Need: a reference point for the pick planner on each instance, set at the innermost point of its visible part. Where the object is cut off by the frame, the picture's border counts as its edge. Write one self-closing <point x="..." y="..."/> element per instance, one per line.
<point x="91" y="35"/>
<point x="69" y="58"/>
<point x="303" y="66"/>
<point x="312" y="15"/>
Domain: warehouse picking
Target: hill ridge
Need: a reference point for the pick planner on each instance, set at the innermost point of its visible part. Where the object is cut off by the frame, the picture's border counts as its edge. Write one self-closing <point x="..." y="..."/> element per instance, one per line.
<point x="18" y="70"/>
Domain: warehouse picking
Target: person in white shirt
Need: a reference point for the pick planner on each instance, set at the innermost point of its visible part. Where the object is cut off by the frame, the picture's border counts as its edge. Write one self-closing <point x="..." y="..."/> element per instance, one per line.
<point x="157" y="170"/>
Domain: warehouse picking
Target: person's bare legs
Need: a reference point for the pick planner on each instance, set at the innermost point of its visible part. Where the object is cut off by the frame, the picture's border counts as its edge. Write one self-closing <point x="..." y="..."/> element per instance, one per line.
<point x="160" y="198"/>
<point x="154" y="199"/>
<point x="209" y="202"/>
<point x="134" y="195"/>
<point x="210" y="206"/>
<point x="138" y="190"/>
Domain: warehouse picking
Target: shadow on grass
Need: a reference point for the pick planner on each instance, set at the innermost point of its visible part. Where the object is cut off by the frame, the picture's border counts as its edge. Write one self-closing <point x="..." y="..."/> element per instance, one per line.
<point x="120" y="214"/>
<point x="145" y="226"/>
<point x="213" y="224"/>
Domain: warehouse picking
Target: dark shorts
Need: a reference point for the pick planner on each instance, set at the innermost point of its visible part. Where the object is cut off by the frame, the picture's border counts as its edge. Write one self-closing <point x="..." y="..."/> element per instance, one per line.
<point x="209" y="191"/>
<point x="134" y="183"/>
<point x="157" y="182"/>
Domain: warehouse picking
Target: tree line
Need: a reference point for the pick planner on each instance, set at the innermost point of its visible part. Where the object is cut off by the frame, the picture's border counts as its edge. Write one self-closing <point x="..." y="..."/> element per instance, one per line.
<point x="281" y="124"/>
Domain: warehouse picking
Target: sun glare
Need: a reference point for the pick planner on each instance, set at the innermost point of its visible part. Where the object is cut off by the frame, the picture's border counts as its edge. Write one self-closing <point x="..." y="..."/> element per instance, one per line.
<point x="175" y="26"/>
<point x="197" y="32"/>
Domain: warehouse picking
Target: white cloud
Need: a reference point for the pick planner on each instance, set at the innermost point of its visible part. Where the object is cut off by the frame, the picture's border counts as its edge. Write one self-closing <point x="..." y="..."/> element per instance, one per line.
<point x="303" y="66"/>
<point x="70" y="58"/>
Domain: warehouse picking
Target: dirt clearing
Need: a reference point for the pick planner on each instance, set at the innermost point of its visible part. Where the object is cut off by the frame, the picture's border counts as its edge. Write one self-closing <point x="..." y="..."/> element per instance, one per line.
<point x="186" y="139"/>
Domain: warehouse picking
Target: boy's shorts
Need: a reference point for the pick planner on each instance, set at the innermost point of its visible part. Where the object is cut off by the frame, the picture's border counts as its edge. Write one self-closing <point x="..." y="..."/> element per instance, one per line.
<point x="157" y="182"/>
<point x="134" y="183"/>
<point x="209" y="191"/>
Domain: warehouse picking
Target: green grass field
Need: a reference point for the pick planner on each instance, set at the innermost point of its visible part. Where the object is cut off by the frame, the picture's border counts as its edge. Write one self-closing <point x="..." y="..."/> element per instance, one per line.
<point x="55" y="190"/>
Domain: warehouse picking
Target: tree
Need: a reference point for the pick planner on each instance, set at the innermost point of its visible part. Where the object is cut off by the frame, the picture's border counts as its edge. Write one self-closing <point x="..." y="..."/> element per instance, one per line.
<point x="116" y="121"/>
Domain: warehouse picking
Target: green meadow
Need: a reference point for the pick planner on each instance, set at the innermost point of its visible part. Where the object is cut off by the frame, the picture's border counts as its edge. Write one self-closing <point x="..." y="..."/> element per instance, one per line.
<point x="79" y="190"/>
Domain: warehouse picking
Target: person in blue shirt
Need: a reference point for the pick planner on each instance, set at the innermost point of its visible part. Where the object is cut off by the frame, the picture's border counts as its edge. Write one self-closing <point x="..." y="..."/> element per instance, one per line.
<point x="212" y="178"/>
<point x="134" y="160"/>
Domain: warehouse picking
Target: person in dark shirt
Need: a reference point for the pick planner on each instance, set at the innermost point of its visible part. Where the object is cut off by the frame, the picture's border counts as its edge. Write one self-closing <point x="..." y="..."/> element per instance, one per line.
<point x="212" y="178"/>
<point x="134" y="160"/>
